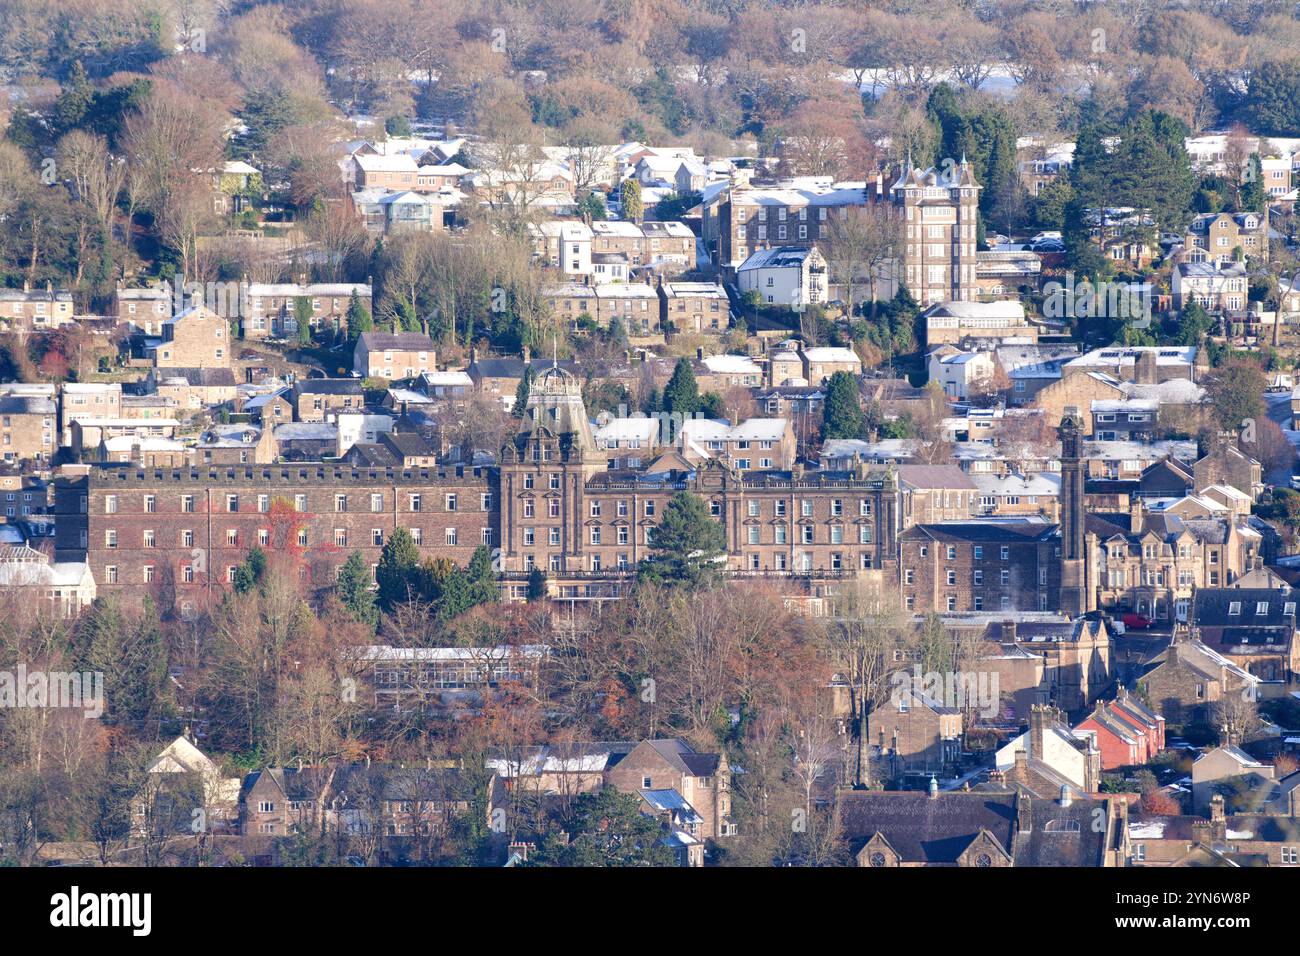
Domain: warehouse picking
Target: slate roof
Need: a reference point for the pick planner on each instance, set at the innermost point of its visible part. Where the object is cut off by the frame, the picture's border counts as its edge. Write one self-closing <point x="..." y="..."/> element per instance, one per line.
<point x="1211" y="607"/>
<point x="407" y="444"/>
<point x="983" y="531"/>
<point x="396" y="341"/>
<point x="925" y="829"/>
<point x="328" y="386"/>
<point x="200" y="377"/>
<point x="1060" y="836"/>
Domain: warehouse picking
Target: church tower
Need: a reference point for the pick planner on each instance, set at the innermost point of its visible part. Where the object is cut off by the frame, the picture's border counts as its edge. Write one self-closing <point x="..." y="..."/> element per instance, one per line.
<point x="1074" y="563"/>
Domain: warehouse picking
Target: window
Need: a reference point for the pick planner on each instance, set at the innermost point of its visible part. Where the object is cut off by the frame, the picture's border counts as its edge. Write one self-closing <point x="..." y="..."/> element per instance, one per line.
<point x="110" y="504"/>
<point x="449" y="537"/>
<point x="110" y="538"/>
<point x="807" y="534"/>
<point x="110" y="574"/>
<point x="376" y="503"/>
<point x="302" y="538"/>
<point x="485" y="501"/>
<point x="753" y="534"/>
<point x="232" y="537"/>
<point x="232" y="503"/>
<point x="187" y="574"/>
<point x="187" y="503"/>
<point x="341" y="537"/>
<point x="376" y="538"/>
<point x="150" y="504"/>
<point x="148" y="573"/>
<point x="451" y="502"/>
<point x="595" y="535"/>
<point x="649" y="509"/>
<point x="909" y="576"/>
<point x="300" y="503"/>
<point x="340" y="503"/>
<point x="148" y="539"/>
<point x="263" y="537"/>
<point x="1234" y="608"/>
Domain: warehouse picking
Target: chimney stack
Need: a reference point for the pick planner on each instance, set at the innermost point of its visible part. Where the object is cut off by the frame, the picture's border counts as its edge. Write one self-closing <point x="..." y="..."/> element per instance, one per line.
<point x="1066" y="798"/>
<point x="1037" y="729"/>
<point x="1135" y="512"/>
<point x="528" y="355"/>
<point x="1009" y="631"/>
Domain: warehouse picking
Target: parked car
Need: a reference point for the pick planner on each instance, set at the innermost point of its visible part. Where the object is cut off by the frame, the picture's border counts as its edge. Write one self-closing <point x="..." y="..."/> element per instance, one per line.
<point x="1136" y="622"/>
<point x="1047" y="245"/>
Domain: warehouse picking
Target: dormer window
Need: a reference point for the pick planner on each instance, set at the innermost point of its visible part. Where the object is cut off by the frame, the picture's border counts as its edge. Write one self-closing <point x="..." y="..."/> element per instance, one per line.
<point x="1234" y="609"/>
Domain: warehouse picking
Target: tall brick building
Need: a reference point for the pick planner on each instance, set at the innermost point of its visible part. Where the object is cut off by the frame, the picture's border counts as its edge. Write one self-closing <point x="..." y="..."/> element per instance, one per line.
<point x="552" y="502"/>
<point x="179" y="534"/>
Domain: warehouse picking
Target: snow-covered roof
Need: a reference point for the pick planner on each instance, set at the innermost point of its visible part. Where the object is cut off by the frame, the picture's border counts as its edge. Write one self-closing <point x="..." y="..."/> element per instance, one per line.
<point x="731" y="365"/>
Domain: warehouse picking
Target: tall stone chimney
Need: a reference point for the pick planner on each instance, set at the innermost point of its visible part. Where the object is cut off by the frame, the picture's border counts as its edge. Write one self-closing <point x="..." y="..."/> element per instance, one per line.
<point x="1145" y="371"/>
<point x="1038" y="715"/>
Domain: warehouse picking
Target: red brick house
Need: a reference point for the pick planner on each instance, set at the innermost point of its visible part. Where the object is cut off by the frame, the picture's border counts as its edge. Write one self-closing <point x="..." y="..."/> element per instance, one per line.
<point x="1125" y="732"/>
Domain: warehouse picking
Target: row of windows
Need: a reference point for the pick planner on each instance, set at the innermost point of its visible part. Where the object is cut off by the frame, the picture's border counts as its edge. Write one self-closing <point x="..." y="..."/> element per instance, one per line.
<point x="977" y="576"/>
<point x="977" y="603"/>
<point x="415" y="501"/>
<point x="977" y="552"/>
<point x="186" y="538"/>
<point x="753" y="508"/>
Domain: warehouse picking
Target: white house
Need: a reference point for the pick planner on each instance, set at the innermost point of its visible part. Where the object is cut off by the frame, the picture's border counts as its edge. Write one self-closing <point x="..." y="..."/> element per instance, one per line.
<point x="958" y="372"/>
<point x="1216" y="286"/>
<point x="785" y="275"/>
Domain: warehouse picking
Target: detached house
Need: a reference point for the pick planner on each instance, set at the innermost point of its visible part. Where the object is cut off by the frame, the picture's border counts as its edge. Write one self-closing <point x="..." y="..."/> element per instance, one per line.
<point x="393" y="355"/>
<point x="1224" y="237"/>
<point x="662" y="771"/>
<point x="1255" y="628"/>
<point x="1188" y="677"/>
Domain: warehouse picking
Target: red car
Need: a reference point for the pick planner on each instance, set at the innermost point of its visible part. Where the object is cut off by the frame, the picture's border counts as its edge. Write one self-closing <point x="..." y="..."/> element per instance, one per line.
<point x="1136" y="622"/>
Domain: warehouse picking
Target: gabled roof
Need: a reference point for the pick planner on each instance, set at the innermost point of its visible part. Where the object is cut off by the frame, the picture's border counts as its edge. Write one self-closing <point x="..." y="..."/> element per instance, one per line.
<point x="925" y="829"/>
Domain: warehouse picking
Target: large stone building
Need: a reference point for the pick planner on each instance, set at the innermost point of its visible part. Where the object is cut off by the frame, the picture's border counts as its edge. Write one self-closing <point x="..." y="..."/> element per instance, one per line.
<point x="180" y="533"/>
